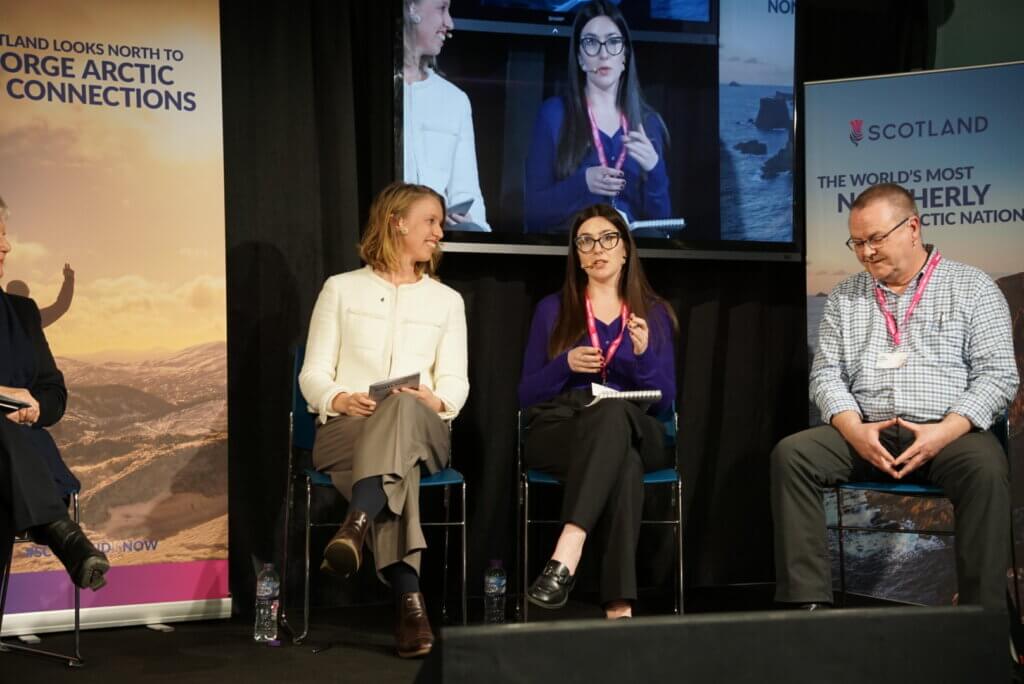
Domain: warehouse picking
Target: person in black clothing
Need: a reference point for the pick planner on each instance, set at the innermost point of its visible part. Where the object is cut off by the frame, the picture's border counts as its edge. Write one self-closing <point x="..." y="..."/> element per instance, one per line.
<point x="35" y="484"/>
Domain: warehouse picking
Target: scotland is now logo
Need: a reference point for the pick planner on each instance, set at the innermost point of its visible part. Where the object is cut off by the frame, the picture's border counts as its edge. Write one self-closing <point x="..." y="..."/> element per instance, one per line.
<point x="856" y="131"/>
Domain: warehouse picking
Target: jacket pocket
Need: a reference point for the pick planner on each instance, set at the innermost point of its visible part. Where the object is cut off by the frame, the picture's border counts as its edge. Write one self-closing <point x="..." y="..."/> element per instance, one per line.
<point x="364" y="329"/>
<point x="438" y="158"/>
<point x="421" y="338"/>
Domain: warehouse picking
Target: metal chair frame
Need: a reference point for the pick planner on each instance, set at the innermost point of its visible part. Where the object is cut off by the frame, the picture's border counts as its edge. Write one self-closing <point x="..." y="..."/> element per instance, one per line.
<point x="447" y="478"/>
<point x="528" y="477"/>
<point x="74" y="660"/>
<point x="1001" y="430"/>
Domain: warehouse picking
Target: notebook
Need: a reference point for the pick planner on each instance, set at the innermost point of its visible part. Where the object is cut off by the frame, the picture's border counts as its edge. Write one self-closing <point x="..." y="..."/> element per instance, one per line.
<point x="601" y="392"/>
<point x="379" y="391"/>
<point x="8" y="404"/>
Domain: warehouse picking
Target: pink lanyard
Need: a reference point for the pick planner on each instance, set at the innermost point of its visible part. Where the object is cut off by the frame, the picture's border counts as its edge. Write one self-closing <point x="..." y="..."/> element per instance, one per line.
<point x="595" y="341"/>
<point x="599" y="146"/>
<point x="890" y="319"/>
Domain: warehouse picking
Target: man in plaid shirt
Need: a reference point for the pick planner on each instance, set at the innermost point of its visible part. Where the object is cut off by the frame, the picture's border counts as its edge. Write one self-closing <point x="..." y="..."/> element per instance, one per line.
<point x="915" y="361"/>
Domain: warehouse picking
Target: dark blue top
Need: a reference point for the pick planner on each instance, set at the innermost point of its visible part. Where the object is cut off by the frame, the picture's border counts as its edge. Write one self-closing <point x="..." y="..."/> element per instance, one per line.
<point x="545" y="378"/>
<point x="550" y="203"/>
<point x="26" y="362"/>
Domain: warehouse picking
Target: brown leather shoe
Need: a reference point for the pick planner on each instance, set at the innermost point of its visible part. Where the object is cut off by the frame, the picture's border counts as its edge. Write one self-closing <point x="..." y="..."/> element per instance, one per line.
<point x="413" y="637"/>
<point x="344" y="553"/>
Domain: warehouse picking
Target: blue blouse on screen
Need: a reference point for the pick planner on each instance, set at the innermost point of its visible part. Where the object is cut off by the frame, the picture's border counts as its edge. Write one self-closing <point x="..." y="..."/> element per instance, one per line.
<point x="550" y="203"/>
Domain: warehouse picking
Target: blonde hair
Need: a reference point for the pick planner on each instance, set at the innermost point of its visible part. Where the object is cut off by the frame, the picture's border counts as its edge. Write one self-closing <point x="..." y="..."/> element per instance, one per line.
<point x="380" y="246"/>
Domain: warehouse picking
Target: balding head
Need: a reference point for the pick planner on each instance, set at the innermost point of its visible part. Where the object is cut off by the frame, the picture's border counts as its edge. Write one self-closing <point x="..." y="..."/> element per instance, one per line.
<point x="896" y="196"/>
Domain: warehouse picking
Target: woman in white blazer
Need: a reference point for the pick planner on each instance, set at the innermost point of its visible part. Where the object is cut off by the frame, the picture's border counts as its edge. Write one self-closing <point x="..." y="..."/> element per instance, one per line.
<point x="389" y="319"/>
<point x="439" y="144"/>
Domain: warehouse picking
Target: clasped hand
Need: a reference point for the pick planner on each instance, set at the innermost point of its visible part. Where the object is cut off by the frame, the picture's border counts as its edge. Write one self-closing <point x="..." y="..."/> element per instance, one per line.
<point x="929" y="440"/>
<point x="26" y="416"/>
<point x="360" y="403"/>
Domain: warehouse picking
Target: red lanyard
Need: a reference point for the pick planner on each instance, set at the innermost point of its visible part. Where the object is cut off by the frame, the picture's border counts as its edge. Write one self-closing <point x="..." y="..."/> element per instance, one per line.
<point x="890" y="319"/>
<point x="599" y="146"/>
<point x="595" y="341"/>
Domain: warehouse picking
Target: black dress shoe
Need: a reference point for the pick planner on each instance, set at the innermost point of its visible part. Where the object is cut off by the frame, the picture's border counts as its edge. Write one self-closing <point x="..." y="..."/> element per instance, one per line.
<point x="86" y="564"/>
<point x="815" y="606"/>
<point x="551" y="589"/>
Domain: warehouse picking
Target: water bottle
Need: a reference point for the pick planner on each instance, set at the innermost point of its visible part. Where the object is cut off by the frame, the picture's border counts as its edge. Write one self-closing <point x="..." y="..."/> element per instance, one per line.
<point x="268" y="584"/>
<point x="494" y="593"/>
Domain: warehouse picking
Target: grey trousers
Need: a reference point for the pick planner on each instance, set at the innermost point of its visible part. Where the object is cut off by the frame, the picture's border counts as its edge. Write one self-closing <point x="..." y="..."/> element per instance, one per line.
<point x="972" y="470"/>
<point x="400" y="435"/>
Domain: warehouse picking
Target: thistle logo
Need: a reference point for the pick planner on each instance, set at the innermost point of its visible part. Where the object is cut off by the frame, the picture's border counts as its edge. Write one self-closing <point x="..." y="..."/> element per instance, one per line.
<point x="856" y="131"/>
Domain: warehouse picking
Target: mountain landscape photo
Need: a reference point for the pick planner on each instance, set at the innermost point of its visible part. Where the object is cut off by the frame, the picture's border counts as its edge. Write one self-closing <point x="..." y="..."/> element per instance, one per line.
<point x="147" y="437"/>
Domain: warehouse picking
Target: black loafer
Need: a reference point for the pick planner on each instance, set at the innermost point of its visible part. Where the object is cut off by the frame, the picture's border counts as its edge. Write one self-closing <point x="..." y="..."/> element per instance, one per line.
<point x="551" y="589"/>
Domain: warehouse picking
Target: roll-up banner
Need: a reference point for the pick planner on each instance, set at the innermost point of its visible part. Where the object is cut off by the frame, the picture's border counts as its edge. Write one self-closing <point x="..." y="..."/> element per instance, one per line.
<point x="954" y="139"/>
<point x="112" y="167"/>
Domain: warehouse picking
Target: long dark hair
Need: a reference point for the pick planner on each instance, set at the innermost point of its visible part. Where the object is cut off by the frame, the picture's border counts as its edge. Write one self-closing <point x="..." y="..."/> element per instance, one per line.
<point x="634" y="288"/>
<point x="575" y="140"/>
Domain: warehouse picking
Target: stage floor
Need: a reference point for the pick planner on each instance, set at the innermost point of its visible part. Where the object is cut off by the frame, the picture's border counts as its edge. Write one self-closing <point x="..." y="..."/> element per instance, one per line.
<point x="361" y="646"/>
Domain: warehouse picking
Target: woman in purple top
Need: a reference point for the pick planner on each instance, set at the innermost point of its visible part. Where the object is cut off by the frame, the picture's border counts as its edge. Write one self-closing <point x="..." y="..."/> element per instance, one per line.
<point x="601" y="142"/>
<point x="606" y="326"/>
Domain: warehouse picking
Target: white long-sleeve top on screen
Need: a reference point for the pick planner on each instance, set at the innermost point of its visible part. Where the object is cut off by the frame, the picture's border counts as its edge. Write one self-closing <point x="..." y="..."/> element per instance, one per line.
<point x="440" y="149"/>
<point x="365" y="329"/>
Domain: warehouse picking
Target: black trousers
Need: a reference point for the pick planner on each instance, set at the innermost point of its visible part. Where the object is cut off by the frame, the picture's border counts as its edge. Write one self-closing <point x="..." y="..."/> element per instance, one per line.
<point x="601" y="453"/>
<point x="972" y="470"/>
<point x="27" y="493"/>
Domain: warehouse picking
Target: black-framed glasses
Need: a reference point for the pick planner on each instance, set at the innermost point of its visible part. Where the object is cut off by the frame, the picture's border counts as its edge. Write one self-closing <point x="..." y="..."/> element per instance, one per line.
<point x="591" y="46"/>
<point x="585" y="243"/>
<point x="875" y="241"/>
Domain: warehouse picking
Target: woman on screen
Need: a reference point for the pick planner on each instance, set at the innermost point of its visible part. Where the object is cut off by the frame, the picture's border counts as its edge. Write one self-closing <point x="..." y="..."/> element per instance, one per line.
<point x="605" y="326"/>
<point x="601" y="142"/>
<point x="389" y="319"/>
<point x="37" y="484"/>
<point x="440" y="151"/>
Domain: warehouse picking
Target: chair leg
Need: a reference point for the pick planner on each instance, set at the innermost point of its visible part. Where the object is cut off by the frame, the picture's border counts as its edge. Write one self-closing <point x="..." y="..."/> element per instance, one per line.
<point x="3" y="589"/>
<point x="679" y="546"/>
<point x="289" y="501"/>
<point x="72" y="661"/>
<point x="77" y="662"/>
<point x="1016" y="578"/>
<point x="465" y="588"/>
<point x="842" y="549"/>
<point x="306" y="582"/>
<point x="444" y="576"/>
<point x="519" y="549"/>
<point x="526" y="549"/>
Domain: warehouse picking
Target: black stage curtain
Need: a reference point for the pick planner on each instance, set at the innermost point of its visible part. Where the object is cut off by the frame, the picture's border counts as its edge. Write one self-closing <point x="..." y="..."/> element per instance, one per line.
<point x="308" y="117"/>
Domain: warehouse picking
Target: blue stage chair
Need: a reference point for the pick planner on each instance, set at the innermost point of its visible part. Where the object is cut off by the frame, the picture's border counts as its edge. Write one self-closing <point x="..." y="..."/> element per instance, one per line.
<point x="1001" y="430"/>
<point x="668" y="477"/>
<point x="72" y="660"/>
<point x="302" y="432"/>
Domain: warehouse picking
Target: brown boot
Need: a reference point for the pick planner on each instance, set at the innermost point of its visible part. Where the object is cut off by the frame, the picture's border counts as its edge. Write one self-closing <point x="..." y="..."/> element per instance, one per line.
<point x="344" y="553"/>
<point x="413" y="637"/>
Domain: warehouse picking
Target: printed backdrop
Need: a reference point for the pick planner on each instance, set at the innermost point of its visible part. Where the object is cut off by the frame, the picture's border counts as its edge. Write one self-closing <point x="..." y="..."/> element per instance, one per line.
<point x="110" y="138"/>
<point x="953" y="138"/>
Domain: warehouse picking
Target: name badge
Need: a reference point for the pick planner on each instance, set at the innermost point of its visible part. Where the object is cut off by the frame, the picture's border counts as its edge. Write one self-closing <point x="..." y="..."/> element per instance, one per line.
<point x="894" y="359"/>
